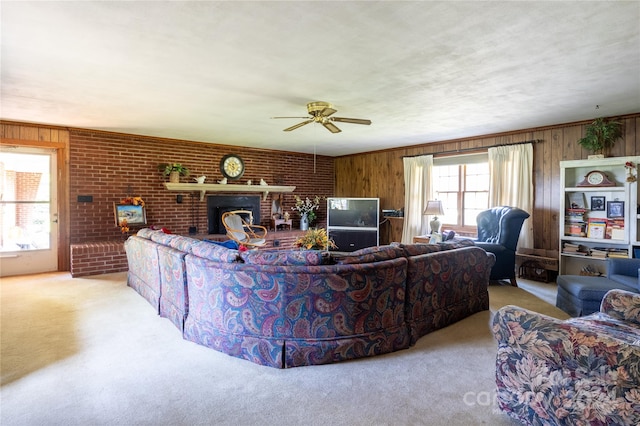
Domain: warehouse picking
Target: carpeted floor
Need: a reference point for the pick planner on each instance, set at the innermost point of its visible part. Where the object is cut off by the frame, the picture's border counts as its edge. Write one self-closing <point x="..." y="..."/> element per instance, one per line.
<point x="91" y="351"/>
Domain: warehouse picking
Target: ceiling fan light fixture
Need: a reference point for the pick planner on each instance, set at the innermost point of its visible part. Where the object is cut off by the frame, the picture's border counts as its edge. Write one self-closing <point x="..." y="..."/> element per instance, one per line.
<point x="317" y="108"/>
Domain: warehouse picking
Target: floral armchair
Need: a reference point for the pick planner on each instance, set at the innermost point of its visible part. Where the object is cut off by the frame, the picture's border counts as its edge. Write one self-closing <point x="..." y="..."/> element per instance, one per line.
<point x="581" y="371"/>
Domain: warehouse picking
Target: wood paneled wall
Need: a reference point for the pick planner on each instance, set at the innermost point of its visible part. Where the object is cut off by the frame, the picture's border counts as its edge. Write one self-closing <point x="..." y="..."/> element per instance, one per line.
<point x="380" y="174"/>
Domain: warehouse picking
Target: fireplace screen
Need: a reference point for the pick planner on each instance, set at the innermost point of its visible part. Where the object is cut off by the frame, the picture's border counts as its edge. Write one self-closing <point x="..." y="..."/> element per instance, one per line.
<point x="217" y="205"/>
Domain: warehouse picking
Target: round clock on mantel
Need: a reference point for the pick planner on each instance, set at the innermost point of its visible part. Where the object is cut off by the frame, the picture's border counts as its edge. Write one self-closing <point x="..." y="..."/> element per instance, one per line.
<point x="232" y="166"/>
<point x="596" y="178"/>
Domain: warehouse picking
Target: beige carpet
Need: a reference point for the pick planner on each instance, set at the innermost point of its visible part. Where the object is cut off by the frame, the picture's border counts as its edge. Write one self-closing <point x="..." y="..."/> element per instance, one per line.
<point x="91" y="351"/>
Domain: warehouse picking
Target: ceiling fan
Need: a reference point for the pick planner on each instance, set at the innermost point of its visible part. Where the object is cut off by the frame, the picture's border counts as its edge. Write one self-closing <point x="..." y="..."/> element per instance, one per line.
<point x="321" y="112"/>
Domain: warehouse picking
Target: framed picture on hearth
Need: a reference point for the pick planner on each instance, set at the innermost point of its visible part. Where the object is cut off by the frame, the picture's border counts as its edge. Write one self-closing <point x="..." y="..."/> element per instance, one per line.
<point x="134" y="215"/>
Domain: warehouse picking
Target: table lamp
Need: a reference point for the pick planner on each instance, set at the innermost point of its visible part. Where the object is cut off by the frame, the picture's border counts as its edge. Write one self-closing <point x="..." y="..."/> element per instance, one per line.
<point x="434" y="208"/>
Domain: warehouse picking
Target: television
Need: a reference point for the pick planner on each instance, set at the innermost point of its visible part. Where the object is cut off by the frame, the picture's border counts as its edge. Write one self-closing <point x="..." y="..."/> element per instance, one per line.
<point x="352" y="223"/>
<point x="353" y="212"/>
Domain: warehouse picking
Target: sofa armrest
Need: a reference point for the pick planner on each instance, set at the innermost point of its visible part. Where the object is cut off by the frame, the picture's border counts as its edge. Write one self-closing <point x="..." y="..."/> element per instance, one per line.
<point x="629" y="267"/>
<point x="622" y="305"/>
<point x="558" y="343"/>
<point x="491" y="247"/>
<point x="565" y="372"/>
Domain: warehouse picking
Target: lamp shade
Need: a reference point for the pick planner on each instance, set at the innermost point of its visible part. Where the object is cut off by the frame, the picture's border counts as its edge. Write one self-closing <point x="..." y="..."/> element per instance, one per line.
<point x="434" y="208"/>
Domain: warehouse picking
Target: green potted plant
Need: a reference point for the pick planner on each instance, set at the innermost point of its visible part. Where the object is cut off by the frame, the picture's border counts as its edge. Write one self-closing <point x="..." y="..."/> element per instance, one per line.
<point x="601" y="135"/>
<point x="315" y="239"/>
<point x="174" y="171"/>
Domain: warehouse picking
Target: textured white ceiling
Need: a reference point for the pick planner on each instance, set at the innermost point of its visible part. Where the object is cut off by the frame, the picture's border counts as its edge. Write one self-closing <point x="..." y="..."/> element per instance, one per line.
<point x="217" y="71"/>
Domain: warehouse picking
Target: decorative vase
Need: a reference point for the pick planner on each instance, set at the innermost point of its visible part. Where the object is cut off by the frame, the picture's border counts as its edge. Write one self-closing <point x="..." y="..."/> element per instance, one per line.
<point x="304" y="222"/>
<point x="174" y="177"/>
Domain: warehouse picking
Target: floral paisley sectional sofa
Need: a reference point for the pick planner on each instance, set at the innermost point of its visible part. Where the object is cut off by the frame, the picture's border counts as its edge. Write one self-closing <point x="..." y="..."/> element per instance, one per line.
<point x="292" y="308"/>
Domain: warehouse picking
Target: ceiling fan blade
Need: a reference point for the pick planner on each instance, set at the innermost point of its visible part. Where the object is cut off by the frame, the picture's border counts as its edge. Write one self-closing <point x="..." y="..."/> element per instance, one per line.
<point x="292" y="117"/>
<point x="331" y="127"/>
<point x="288" y="129"/>
<point x="351" y="120"/>
<point x="328" y="111"/>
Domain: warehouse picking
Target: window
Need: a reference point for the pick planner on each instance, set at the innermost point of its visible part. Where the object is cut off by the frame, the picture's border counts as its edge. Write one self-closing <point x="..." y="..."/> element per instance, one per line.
<point x="462" y="184"/>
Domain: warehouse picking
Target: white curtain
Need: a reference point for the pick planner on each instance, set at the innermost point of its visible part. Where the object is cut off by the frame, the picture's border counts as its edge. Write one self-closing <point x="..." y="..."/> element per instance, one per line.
<point x="511" y="183"/>
<point x="418" y="189"/>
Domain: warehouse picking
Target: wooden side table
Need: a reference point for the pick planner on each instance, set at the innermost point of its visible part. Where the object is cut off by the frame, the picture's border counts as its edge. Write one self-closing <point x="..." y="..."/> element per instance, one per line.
<point x="281" y="222"/>
<point x="424" y="239"/>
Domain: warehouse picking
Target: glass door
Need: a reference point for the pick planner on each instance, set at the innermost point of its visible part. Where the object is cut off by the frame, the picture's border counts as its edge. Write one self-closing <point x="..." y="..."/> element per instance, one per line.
<point x="28" y="211"/>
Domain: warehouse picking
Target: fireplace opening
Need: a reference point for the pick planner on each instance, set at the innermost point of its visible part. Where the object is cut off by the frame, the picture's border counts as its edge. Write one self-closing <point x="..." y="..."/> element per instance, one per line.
<point x="217" y="205"/>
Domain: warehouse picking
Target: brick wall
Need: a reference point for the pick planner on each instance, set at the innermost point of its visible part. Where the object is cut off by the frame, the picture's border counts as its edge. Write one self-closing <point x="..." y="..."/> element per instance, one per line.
<point x="27" y="184"/>
<point x="98" y="258"/>
<point x="111" y="166"/>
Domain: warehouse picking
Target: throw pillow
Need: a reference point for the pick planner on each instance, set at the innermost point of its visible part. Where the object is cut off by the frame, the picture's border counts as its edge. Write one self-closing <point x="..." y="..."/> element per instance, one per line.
<point x="230" y="244"/>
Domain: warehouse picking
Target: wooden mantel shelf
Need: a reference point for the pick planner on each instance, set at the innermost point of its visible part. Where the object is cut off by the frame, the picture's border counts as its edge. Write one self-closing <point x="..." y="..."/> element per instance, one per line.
<point x="203" y="188"/>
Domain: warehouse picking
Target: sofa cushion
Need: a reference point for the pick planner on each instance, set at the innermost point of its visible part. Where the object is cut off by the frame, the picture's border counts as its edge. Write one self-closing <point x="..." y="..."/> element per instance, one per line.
<point x="369" y="255"/>
<point x="161" y="238"/>
<point x="177" y="242"/>
<point x="422" y="248"/>
<point x="282" y="257"/>
<point x="182" y="243"/>
<point x="456" y="243"/>
<point x="418" y="248"/>
<point x="146" y="233"/>
<point x="214" y="252"/>
<point x="588" y="287"/>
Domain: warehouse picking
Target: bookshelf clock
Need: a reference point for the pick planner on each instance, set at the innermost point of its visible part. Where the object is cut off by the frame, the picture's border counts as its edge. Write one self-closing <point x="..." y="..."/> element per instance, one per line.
<point x="596" y="178"/>
<point x="589" y="234"/>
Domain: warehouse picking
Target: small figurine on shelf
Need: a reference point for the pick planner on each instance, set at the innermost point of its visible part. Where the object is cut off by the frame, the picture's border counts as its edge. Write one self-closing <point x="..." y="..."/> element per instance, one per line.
<point x="200" y="179"/>
<point x="223" y="181"/>
<point x="263" y="183"/>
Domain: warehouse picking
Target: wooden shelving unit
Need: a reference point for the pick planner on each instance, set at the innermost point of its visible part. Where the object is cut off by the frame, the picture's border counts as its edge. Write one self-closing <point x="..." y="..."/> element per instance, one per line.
<point x="203" y="188"/>
<point x="626" y="240"/>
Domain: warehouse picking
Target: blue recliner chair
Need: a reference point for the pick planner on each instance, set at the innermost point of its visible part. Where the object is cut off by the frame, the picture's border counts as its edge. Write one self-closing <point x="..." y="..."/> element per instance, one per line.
<point x="498" y="233"/>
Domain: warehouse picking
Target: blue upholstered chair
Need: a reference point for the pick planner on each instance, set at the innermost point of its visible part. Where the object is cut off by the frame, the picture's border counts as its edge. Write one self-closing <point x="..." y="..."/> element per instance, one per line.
<point x="581" y="295"/>
<point x="498" y="233"/>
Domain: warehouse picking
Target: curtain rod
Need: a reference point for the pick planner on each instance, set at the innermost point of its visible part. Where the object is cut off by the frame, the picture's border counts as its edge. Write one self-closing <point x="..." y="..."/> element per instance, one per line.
<point x="458" y="151"/>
